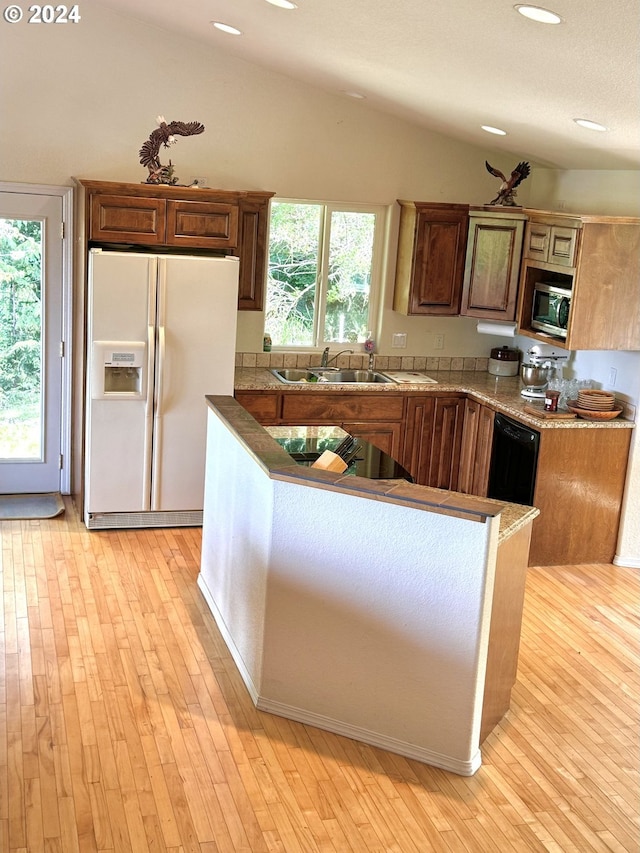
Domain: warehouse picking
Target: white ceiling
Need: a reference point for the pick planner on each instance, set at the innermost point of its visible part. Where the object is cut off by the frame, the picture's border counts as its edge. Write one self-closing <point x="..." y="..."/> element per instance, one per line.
<point x="450" y="65"/>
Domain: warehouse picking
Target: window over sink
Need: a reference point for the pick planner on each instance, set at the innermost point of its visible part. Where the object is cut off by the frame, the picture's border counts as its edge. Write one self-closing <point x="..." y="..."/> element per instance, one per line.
<point x="324" y="272"/>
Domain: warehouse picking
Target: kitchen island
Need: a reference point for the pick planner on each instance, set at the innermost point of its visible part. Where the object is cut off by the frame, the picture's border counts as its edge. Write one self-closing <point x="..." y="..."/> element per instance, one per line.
<point x="378" y="609"/>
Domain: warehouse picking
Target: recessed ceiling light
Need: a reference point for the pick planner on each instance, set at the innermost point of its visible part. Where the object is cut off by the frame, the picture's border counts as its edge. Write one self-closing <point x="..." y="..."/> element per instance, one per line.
<point x="358" y="95"/>
<point x="283" y="4"/>
<point x="495" y="130"/>
<point x="590" y="125"/>
<point x="226" y="28"/>
<point x="537" y="13"/>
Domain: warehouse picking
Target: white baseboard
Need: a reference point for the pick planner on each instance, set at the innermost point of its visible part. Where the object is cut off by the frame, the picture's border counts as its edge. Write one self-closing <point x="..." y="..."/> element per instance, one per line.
<point x="629" y="562"/>
<point x="299" y="715"/>
<point x="408" y="750"/>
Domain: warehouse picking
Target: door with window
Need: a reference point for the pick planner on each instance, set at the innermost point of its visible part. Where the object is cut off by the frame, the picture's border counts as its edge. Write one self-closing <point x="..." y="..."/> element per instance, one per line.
<point x="31" y="318"/>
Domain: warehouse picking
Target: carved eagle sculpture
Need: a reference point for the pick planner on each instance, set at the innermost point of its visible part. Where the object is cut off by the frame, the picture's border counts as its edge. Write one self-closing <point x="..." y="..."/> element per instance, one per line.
<point x="508" y="186"/>
<point x="165" y="135"/>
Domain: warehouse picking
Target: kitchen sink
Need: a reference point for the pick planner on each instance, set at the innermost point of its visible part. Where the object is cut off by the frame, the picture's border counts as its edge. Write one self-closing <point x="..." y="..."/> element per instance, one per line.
<point x="294" y="376"/>
<point x="354" y="376"/>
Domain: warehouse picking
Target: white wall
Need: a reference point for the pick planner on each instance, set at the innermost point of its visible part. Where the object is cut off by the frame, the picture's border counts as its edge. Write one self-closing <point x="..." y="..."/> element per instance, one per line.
<point x="578" y="191"/>
<point x="90" y="101"/>
<point x="347" y="612"/>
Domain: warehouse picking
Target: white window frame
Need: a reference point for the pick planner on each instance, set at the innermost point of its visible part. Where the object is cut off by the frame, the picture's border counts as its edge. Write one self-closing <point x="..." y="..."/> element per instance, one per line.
<point x="381" y="213"/>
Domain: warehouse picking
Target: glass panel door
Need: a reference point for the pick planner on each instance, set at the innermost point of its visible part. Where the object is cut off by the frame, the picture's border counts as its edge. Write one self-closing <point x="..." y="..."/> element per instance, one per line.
<point x="30" y="334"/>
<point x="21" y="339"/>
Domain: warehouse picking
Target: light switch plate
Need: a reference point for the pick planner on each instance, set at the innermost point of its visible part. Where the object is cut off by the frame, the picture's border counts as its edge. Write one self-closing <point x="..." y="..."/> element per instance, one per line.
<point x="399" y="340"/>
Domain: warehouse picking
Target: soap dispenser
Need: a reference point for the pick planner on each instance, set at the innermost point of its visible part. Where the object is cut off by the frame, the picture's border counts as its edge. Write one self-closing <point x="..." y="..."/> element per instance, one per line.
<point x="369" y="347"/>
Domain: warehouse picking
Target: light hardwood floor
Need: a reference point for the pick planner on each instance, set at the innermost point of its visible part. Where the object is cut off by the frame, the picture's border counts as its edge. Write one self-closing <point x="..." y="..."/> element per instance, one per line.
<point x="124" y="725"/>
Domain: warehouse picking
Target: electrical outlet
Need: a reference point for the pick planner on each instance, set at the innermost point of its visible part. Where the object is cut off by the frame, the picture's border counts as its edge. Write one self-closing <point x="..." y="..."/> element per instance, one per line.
<point x="613" y="375"/>
<point x="399" y="340"/>
<point x="438" y="341"/>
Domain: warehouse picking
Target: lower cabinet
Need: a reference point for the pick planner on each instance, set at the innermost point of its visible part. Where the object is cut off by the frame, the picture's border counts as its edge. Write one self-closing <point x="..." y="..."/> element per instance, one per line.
<point x="475" y="454"/>
<point x="433" y="438"/>
<point x="417" y="437"/>
<point x="445" y="441"/>
<point x="448" y="419"/>
<point x="385" y="436"/>
<point x="375" y="418"/>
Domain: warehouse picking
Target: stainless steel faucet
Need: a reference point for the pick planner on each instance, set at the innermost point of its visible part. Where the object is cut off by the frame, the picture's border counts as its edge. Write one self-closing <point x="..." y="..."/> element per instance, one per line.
<point x="326" y="361"/>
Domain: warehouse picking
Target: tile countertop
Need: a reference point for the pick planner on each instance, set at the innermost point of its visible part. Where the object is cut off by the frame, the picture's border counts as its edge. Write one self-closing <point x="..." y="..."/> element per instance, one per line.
<point x="502" y="393"/>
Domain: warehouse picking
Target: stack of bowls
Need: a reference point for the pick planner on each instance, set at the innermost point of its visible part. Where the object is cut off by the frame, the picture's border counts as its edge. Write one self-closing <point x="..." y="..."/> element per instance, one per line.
<point x="595" y="401"/>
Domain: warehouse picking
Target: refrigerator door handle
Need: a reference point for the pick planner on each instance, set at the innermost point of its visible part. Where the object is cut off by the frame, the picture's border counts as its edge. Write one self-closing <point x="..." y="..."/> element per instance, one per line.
<point x="148" y="418"/>
<point x="159" y="385"/>
<point x="157" y="443"/>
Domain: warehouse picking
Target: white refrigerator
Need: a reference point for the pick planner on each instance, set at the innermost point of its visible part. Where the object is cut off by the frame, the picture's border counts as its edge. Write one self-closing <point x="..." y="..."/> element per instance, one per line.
<point x="161" y="335"/>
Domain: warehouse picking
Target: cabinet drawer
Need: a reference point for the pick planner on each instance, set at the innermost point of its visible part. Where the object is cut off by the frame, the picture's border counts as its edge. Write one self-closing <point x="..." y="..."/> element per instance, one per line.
<point x="263" y="407"/>
<point x="336" y="409"/>
<point x="202" y="224"/>
<point x="127" y="219"/>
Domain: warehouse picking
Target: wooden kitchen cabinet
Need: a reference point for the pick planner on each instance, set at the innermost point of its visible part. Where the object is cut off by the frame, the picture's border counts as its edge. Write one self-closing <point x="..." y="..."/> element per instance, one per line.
<point x="492" y="264"/>
<point x="417" y="437"/>
<point x="339" y="408"/>
<point x="431" y="254"/>
<point x="603" y="278"/>
<point x="448" y="419"/>
<point x="373" y="417"/>
<point x="432" y="440"/>
<point x="551" y="243"/>
<point x="475" y="454"/>
<point x="264" y="406"/>
<point x="162" y="217"/>
<point x="253" y="229"/>
<point x="385" y="436"/>
<point x="579" y="490"/>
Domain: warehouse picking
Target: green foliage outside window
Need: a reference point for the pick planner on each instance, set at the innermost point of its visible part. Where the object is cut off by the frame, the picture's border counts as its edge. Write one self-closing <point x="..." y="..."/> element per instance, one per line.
<point x="20" y="321"/>
<point x="320" y="263"/>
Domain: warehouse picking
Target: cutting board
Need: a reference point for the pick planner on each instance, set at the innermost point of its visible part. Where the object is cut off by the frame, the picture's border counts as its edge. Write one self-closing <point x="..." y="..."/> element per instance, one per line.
<point x="404" y="377"/>
<point x="540" y="413"/>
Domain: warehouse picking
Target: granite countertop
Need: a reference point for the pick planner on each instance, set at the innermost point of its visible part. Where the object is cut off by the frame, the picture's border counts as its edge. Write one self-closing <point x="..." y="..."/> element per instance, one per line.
<point x="279" y="465"/>
<point x="502" y="393"/>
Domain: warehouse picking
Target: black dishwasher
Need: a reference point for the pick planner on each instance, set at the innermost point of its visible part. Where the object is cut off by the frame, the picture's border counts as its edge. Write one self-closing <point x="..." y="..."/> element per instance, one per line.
<point x="514" y="458"/>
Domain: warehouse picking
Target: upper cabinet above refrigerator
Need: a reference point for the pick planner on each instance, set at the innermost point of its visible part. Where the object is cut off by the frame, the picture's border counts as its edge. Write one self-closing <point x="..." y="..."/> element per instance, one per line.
<point x="161" y="217"/>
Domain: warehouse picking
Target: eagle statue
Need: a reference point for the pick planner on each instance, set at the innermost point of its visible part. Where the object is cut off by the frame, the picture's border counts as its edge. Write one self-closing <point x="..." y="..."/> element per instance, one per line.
<point x="165" y="135"/>
<point x="507" y="191"/>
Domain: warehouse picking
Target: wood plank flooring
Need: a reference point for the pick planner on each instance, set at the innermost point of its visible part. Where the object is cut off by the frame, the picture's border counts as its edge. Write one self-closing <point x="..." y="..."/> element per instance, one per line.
<point x="124" y="725"/>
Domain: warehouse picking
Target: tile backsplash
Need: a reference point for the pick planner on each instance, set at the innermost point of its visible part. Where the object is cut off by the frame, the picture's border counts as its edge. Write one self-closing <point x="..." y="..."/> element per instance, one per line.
<point x="359" y="361"/>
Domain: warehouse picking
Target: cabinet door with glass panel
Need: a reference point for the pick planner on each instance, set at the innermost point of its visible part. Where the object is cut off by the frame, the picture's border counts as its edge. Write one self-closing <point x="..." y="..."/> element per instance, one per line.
<point x="324" y="273"/>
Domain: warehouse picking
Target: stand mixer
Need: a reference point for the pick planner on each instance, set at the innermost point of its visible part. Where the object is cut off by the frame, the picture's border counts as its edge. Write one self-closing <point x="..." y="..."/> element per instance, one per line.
<point x="539" y="369"/>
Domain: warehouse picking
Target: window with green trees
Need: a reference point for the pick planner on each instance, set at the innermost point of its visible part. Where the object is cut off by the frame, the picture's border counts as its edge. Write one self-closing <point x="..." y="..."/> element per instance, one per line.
<point x="20" y="338"/>
<point x="323" y="272"/>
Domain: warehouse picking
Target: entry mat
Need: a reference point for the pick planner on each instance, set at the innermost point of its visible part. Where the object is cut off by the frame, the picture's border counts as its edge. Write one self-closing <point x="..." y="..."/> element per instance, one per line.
<point x="15" y="507"/>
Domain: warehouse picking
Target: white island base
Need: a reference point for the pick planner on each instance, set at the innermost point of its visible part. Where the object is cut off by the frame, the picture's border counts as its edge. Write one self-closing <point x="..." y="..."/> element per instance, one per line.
<point x="358" y="606"/>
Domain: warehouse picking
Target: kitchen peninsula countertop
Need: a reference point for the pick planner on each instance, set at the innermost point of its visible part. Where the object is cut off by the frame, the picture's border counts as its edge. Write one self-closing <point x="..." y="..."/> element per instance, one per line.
<point x="502" y="393"/>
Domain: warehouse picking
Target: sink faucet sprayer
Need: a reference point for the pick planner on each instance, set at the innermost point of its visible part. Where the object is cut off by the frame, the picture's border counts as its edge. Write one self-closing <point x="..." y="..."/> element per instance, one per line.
<point x="326" y="361"/>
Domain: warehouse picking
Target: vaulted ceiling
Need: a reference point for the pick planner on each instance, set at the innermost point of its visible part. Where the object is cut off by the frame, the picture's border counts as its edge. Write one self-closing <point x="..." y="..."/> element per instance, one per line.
<point x="449" y="65"/>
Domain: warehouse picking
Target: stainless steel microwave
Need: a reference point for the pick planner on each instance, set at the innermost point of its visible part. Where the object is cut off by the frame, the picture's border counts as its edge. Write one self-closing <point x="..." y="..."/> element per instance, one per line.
<point x="550" y="310"/>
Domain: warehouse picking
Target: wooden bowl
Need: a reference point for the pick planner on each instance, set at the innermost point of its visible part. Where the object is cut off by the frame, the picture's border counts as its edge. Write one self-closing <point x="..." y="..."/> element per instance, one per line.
<point x="591" y="414"/>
